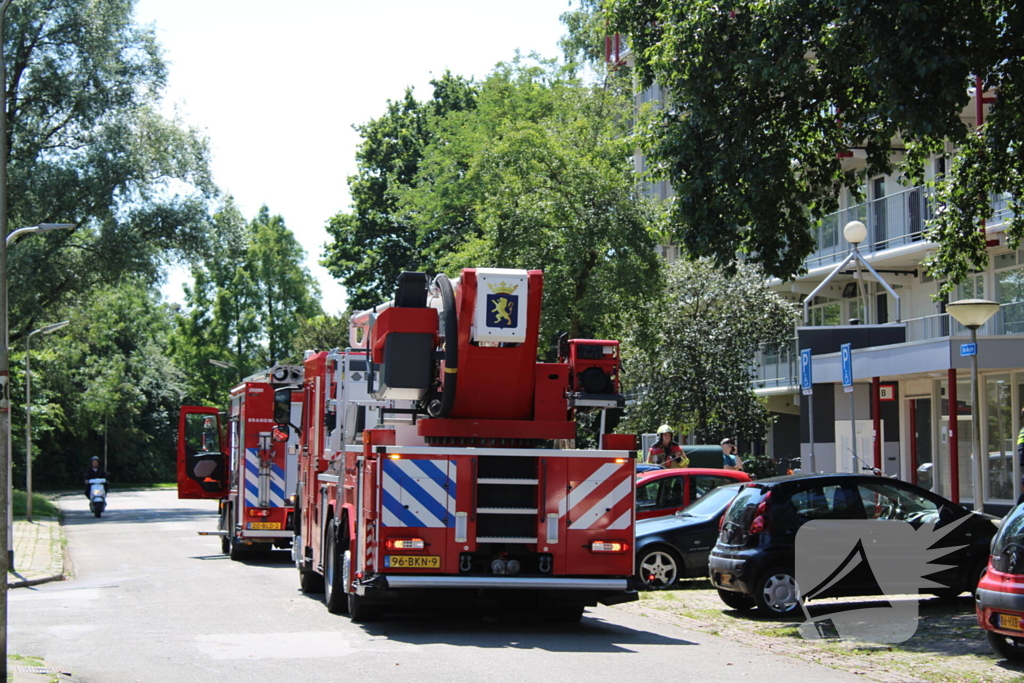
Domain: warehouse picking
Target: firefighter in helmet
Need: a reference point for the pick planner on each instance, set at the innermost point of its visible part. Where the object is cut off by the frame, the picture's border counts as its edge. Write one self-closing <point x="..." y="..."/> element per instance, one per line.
<point x="666" y="452"/>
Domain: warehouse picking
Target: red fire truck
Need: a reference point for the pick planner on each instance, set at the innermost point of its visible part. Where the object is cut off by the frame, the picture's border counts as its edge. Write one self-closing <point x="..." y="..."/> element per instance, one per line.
<point x="428" y="460"/>
<point x="254" y="478"/>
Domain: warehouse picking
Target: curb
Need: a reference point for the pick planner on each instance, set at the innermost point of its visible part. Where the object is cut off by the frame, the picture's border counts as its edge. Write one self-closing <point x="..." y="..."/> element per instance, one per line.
<point x="25" y="583"/>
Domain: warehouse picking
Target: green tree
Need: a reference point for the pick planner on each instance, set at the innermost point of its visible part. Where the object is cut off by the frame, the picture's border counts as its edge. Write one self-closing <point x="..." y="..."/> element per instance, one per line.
<point x="690" y="355"/>
<point x="320" y="333"/>
<point x="107" y="376"/>
<point x="87" y="145"/>
<point x="373" y="243"/>
<point x="760" y="97"/>
<point x="245" y="304"/>
<point x="539" y="175"/>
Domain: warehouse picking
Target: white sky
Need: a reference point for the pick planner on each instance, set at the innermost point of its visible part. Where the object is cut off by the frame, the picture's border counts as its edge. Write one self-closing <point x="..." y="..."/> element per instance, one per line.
<point x="277" y="87"/>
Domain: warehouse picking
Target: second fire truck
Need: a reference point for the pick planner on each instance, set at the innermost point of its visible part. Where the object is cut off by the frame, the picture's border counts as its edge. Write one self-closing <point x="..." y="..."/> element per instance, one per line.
<point x="251" y="470"/>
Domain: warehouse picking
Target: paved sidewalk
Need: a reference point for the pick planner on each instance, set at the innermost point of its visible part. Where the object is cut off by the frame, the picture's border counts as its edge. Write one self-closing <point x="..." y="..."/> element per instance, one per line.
<point x="38" y="552"/>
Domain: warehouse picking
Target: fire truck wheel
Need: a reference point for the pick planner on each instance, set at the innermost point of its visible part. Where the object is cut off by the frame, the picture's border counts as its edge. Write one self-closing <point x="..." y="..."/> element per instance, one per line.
<point x="334" y="573"/>
<point x="565" y="614"/>
<point x="225" y="544"/>
<point x="310" y="581"/>
<point x="237" y="550"/>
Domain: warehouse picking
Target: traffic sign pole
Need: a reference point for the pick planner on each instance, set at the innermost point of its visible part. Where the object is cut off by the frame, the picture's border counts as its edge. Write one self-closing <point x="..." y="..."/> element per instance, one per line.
<point x="846" y="354"/>
<point x="807" y="385"/>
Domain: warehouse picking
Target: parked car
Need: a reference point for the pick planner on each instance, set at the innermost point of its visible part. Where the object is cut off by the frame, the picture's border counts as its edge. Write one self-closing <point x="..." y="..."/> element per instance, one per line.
<point x="753" y="561"/>
<point x="1000" y="595"/>
<point x="662" y="493"/>
<point x="677" y="547"/>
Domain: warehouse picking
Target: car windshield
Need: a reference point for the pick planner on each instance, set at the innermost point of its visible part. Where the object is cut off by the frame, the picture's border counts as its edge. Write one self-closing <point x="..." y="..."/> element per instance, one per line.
<point x="712" y="503"/>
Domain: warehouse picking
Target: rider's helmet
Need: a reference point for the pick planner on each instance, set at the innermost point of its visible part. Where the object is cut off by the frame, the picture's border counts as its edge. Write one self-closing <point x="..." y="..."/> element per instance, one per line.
<point x="95" y="460"/>
<point x="664" y="429"/>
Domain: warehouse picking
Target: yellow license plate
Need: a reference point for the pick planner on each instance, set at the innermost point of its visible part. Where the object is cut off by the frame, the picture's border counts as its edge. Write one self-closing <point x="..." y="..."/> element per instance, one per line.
<point x="412" y="561"/>
<point x="265" y="526"/>
<point x="1010" y="621"/>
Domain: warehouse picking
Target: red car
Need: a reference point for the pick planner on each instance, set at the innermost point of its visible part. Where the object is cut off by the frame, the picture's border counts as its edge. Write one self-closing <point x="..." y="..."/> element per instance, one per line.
<point x="1000" y="595"/>
<point x="660" y="493"/>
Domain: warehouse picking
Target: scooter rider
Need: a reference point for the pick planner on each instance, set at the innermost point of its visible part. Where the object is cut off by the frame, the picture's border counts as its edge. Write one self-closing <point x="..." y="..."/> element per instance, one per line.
<point x="94" y="471"/>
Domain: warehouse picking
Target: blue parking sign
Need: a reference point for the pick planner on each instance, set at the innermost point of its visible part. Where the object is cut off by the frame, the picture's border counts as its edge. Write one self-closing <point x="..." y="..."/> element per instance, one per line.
<point x="806" y="381"/>
<point x="846" y="352"/>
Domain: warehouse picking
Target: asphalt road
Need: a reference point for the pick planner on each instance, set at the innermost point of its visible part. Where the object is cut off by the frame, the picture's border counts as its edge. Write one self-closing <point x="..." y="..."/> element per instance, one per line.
<point x="152" y="601"/>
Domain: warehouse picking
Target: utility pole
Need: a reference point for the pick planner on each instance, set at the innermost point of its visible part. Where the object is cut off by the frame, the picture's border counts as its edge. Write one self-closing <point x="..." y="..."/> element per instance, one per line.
<point x="5" y="361"/>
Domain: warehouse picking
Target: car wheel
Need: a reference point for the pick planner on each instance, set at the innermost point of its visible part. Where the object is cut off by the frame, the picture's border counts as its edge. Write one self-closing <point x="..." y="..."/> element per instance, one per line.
<point x="657" y="568"/>
<point x="1008" y="647"/>
<point x="738" y="601"/>
<point x="776" y="592"/>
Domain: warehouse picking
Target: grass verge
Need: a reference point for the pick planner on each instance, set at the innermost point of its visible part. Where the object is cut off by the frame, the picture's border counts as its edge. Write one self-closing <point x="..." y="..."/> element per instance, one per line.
<point x="41" y="505"/>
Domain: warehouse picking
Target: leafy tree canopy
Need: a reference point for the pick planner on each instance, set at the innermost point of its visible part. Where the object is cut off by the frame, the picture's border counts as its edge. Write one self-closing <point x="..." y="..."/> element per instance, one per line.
<point x="245" y="304"/>
<point x="88" y="145"/>
<point x="106" y="378"/>
<point x="689" y="353"/>
<point x="372" y="244"/>
<point x="539" y="175"/>
<point x="760" y="97"/>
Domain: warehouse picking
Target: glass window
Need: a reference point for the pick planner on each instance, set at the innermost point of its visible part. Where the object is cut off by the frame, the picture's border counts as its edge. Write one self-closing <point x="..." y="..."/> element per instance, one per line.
<point x="1001" y="439"/>
<point x="971" y="288"/>
<point x="703" y="483"/>
<point x="884" y="500"/>
<point x="672" y="492"/>
<point x="826" y="502"/>
<point x="1008" y="545"/>
<point x="647" y="495"/>
<point x="826" y="314"/>
<point x="1010" y="286"/>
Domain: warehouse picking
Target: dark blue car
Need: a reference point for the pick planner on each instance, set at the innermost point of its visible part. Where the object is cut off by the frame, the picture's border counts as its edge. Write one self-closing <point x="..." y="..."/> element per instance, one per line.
<point x="677" y="547"/>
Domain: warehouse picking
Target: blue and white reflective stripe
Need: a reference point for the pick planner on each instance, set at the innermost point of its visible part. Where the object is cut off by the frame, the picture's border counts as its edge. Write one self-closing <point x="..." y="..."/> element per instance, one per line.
<point x="419" y="493"/>
<point x="252" y="481"/>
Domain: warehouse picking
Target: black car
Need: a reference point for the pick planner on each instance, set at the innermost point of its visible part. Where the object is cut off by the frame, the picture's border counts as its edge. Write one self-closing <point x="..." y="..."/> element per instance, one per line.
<point x="677" y="547"/>
<point x="753" y="562"/>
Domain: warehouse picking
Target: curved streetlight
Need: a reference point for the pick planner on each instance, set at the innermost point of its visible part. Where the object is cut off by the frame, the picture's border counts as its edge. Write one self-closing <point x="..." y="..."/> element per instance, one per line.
<point x="42" y="227"/>
<point x="28" y="411"/>
<point x="972" y="314"/>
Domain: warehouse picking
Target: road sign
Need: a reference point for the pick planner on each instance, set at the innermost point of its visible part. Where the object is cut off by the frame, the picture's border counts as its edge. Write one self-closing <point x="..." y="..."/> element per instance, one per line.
<point x="968" y="349"/>
<point x="846" y="353"/>
<point x="806" y="383"/>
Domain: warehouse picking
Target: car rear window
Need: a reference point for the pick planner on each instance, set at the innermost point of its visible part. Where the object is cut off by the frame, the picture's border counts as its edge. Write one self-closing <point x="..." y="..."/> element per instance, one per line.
<point x="1008" y="544"/>
<point x="740" y="514"/>
<point x="711" y="504"/>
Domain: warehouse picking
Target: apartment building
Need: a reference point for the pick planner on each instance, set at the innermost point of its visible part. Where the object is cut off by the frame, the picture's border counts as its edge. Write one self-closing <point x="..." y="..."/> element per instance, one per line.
<point x="910" y="410"/>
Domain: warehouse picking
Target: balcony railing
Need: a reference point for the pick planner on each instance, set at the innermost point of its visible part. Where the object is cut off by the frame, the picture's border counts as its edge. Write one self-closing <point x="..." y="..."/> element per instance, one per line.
<point x="780" y="367"/>
<point x="891" y="222"/>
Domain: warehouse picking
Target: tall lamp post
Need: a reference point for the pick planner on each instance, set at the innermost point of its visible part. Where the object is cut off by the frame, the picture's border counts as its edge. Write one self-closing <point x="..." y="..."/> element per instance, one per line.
<point x="28" y="411"/>
<point x="972" y="314"/>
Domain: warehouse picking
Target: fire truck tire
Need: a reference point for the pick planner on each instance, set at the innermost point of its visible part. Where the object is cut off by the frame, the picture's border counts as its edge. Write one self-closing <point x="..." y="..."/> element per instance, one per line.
<point x="359" y="611"/>
<point x="565" y="614"/>
<point x="310" y="581"/>
<point x="334" y="573"/>
<point x="225" y="516"/>
<point x="237" y="550"/>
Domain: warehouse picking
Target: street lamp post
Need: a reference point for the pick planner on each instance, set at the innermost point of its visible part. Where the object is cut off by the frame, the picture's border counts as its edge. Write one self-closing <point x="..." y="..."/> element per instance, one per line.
<point x="28" y="412"/>
<point x="226" y="365"/>
<point x="972" y="314"/>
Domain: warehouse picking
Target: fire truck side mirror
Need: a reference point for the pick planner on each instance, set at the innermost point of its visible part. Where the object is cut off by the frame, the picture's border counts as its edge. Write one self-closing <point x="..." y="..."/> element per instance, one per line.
<point x="283" y="406"/>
